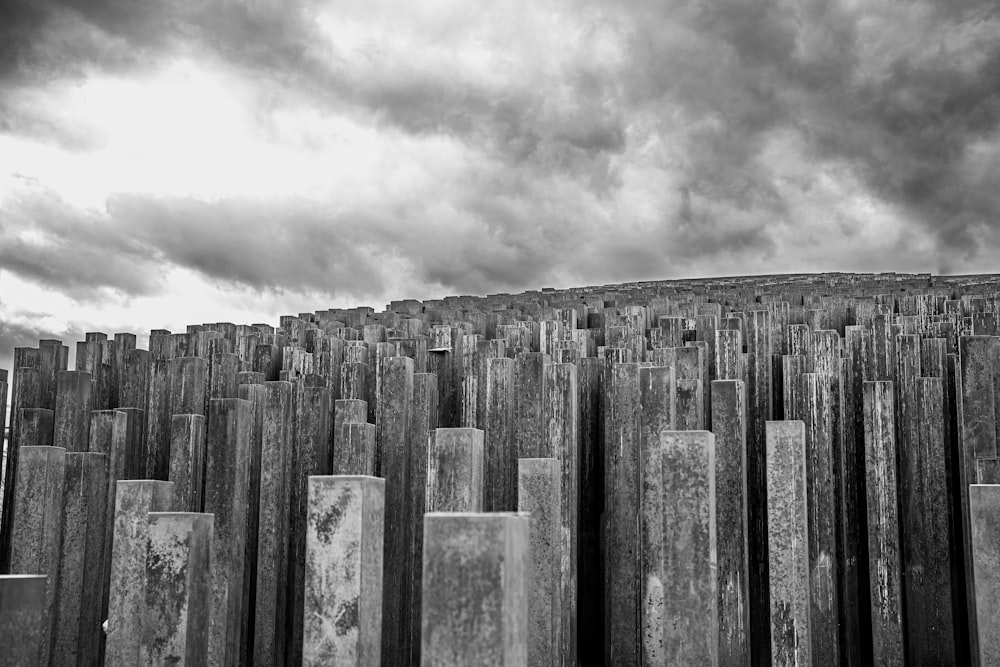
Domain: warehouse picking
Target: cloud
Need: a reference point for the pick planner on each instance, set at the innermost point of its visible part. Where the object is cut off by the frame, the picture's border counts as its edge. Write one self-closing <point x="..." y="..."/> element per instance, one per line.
<point x="346" y="148"/>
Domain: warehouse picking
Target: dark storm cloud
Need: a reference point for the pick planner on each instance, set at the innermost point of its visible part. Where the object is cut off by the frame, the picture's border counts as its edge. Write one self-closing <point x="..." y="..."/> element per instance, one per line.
<point x="45" y="240"/>
<point x="905" y="93"/>
<point x="907" y="96"/>
<point x="50" y="39"/>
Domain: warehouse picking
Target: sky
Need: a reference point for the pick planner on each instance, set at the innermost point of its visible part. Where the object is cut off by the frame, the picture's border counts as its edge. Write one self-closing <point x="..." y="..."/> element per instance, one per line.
<point x="167" y="163"/>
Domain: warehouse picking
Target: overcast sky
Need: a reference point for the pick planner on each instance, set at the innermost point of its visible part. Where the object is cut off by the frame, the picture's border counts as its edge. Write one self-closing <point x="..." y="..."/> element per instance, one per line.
<point x="163" y="163"/>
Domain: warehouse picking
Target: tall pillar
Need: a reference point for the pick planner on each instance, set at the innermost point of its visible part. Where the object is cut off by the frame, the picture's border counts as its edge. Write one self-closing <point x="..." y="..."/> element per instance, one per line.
<point x="134" y="500"/>
<point x="22" y="613"/>
<point x="393" y="453"/>
<point x="423" y="425"/>
<point x="883" y="524"/>
<point x="343" y="582"/>
<point x="984" y="511"/>
<point x="37" y="526"/>
<point x="227" y="480"/>
<point x="499" y="426"/>
<point x="538" y="486"/>
<point x="730" y="427"/>
<point x="74" y="398"/>
<point x="788" y="543"/>
<point x="621" y="513"/>
<point x="475" y="598"/>
<point x="79" y="599"/>
<point x="455" y="471"/>
<point x="177" y="603"/>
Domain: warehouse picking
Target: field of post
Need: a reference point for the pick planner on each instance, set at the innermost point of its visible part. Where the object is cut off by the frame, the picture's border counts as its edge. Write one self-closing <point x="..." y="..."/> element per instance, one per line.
<point x="787" y="469"/>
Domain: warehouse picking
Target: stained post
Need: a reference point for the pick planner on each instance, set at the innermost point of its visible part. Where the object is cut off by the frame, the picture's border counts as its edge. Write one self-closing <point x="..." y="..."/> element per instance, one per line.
<point x="343" y="572"/>
<point x="883" y="524"/>
<point x="788" y="544"/>
<point x="22" y="613"/>
<point x="37" y="527"/>
<point x="227" y="480"/>
<point x="729" y="425"/>
<point x="134" y="500"/>
<point x="475" y="599"/>
<point x="177" y="604"/>
<point x="621" y="537"/>
<point x="539" y="483"/>
<point x="455" y="471"/>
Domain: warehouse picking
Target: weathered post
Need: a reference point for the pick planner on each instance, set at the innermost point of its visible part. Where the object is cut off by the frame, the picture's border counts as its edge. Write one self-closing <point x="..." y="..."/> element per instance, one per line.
<point x="984" y="511"/>
<point x="498" y="424"/>
<point x="529" y="433"/>
<point x="621" y="539"/>
<point x="310" y="456"/>
<point x="656" y="386"/>
<point x="539" y="483"/>
<point x="22" y="618"/>
<point x="227" y="481"/>
<point x="690" y="627"/>
<point x="343" y="570"/>
<point x="561" y="423"/>
<point x="81" y="561"/>
<point x="883" y="525"/>
<point x="455" y="471"/>
<point x="475" y="599"/>
<point x="72" y="414"/>
<point x="816" y="410"/>
<point x="178" y="591"/>
<point x="759" y="408"/>
<point x="37" y="527"/>
<point x="423" y="425"/>
<point x="930" y="626"/>
<point x="270" y="598"/>
<point x="134" y="500"/>
<point x="25" y="393"/>
<point x="788" y="537"/>
<point x="729" y="422"/>
<point x="394" y="464"/>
